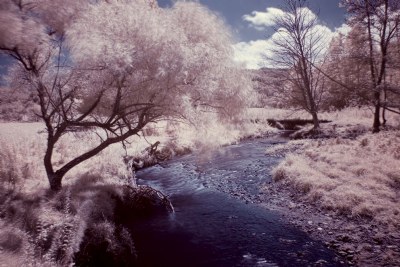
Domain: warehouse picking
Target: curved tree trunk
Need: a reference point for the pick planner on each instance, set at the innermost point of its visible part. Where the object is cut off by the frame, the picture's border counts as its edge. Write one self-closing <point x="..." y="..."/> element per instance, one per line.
<point x="55" y="177"/>
<point x="315" y="120"/>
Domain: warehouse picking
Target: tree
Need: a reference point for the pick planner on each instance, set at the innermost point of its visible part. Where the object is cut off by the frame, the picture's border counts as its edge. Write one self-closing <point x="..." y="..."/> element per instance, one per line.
<point x="380" y="20"/>
<point x="345" y="70"/>
<point x="112" y="67"/>
<point x="299" y="45"/>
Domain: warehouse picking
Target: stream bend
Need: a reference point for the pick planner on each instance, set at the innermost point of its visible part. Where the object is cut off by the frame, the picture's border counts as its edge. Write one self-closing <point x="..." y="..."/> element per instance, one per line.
<point x="217" y="221"/>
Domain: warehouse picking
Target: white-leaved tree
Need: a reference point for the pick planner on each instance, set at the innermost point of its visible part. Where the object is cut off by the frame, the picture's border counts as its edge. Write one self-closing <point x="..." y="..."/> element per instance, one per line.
<point x="111" y="67"/>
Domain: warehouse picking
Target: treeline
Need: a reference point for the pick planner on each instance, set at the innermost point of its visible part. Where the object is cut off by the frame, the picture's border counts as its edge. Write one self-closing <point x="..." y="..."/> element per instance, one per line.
<point x="359" y="67"/>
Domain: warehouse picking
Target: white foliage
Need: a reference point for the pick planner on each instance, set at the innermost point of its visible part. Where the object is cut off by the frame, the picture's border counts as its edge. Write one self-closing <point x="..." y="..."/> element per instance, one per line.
<point x="119" y="65"/>
<point x="22" y="33"/>
<point x="59" y="14"/>
<point x="166" y="55"/>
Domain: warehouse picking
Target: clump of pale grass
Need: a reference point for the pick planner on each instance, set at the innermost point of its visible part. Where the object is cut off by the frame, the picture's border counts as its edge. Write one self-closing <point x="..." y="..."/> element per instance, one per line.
<point x="21" y="165"/>
<point x="358" y="178"/>
<point x="50" y="229"/>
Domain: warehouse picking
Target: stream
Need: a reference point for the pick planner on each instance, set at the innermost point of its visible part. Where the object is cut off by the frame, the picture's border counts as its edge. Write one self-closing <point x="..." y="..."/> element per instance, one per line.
<point x="217" y="219"/>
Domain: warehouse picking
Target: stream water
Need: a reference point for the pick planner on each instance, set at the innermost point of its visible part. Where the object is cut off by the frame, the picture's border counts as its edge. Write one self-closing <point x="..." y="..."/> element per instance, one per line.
<point x="217" y="221"/>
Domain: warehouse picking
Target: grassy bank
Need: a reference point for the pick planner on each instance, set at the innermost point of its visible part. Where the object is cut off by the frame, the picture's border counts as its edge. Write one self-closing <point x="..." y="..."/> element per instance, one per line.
<point x="42" y="228"/>
<point x="343" y="187"/>
<point x="359" y="178"/>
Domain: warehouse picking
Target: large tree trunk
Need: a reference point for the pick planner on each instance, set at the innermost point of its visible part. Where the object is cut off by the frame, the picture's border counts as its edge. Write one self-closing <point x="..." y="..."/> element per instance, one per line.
<point x="313" y="106"/>
<point x="53" y="177"/>
<point x="315" y="120"/>
<point x="377" y="122"/>
<point x="384" y="105"/>
<point x="55" y="181"/>
<point x="377" y="114"/>
<point x="384" y="117"/>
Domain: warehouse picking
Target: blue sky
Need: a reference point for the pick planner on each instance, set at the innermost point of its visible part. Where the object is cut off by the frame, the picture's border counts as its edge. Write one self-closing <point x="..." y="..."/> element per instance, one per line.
<point x="233" y="11"/>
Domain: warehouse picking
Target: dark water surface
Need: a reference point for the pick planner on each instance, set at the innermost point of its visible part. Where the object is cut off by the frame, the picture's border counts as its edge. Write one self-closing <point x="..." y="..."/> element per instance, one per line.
<point x="217" y="221"/>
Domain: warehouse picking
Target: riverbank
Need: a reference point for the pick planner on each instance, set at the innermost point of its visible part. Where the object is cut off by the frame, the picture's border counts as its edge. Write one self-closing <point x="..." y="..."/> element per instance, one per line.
<point x="342" y="190"/>
<point x="43" y="228"/>
<point x="366" y="234"/>
<point x="33" y="222"/>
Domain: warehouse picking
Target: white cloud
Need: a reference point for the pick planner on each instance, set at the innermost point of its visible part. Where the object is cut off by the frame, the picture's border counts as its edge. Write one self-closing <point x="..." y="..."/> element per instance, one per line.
<point x="253" y="54"/>
<point x="307" y="14"/>
<point x="343" y="29"/>
<point x="260" y="20"/>
<point x="326" y="36"/>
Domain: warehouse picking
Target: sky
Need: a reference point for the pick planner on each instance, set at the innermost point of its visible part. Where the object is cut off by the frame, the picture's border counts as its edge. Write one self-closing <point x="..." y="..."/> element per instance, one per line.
<point x="248" y="21"/>
<point x="251" y="24"/>
<point x="233" y="11"/>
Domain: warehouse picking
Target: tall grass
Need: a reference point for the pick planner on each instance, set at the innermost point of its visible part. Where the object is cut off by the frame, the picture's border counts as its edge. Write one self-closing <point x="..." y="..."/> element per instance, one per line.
<point x="358" y="178"/>
<point x="48" y="229"/>
<point x="41" y="228"/>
